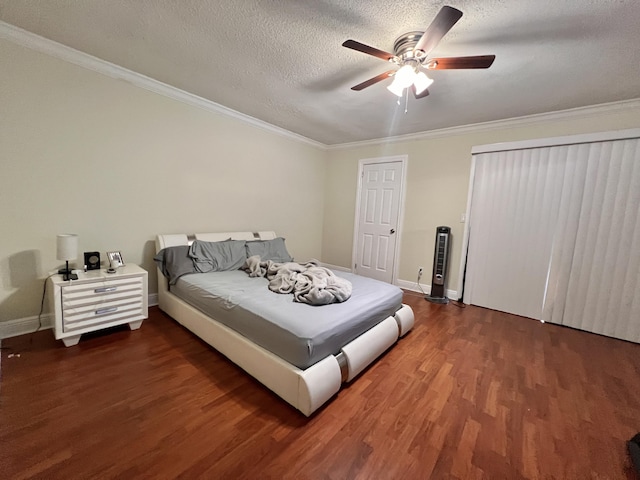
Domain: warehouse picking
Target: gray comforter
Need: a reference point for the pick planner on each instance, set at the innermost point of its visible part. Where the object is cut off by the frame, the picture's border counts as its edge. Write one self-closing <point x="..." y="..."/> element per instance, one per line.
<point x="308" y="282"/>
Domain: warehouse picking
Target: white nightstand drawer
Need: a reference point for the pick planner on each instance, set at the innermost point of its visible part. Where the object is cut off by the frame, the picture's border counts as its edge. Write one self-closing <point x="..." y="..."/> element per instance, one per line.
<point x="107" y="313"/>
<point x="98" y="292"/>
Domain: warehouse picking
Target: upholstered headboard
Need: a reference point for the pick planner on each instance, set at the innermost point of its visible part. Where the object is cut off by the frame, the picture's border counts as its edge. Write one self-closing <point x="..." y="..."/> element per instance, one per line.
<point x="176" y="239"/>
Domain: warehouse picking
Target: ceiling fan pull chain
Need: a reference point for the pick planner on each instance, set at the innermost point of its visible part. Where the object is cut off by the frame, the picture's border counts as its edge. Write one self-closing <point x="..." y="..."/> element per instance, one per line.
<point x="406" y="102"/>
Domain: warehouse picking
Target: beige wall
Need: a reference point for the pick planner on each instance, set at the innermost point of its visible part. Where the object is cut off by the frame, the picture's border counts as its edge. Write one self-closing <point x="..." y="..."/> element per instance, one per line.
<point x="437" y="186"/>
<point x="83" y="153"/>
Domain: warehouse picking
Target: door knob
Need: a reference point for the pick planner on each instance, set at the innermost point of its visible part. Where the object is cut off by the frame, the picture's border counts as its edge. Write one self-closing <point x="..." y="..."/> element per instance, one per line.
<point x="393" y="230"/>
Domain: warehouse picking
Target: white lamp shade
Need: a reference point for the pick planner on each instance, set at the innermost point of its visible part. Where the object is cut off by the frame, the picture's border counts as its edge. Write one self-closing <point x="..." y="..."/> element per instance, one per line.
<point x="422" y="82"/>
<point x="396" y="88"/>
<point x="405" y="76"/>
<point x="67" y="246"/>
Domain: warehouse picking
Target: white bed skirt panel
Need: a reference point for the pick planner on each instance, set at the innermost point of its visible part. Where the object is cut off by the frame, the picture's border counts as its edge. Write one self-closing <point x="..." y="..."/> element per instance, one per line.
<point x="369" y="346"/>
<point x="404" y="317"/>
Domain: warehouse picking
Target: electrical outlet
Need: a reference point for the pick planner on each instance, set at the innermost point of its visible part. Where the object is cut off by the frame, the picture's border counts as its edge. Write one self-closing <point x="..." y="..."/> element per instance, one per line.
<point x="419" y="272"/>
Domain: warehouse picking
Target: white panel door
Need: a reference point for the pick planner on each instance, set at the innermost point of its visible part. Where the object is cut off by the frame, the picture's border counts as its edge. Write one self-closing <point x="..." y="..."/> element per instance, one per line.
<point x="378" y="220"/>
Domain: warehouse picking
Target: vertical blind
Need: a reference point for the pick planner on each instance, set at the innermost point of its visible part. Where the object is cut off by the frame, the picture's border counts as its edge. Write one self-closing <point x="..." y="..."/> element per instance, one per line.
<point x="554" y="234"/>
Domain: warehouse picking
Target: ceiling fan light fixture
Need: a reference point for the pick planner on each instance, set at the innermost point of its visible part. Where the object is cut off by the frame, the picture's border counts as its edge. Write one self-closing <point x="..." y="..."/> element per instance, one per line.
<point x="422" y="82"/>
<point x="405" y="76"/>
<point x="396" y="88"/>
<point x="411" y="54"/>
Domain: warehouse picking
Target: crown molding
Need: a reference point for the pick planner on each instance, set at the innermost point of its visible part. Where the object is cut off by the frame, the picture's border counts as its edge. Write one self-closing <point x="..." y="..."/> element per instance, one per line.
<point x="54" y="49"/>
<point x="580" y="112"/>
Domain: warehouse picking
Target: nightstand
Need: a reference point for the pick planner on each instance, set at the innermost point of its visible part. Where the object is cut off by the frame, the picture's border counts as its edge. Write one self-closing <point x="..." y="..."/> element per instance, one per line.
<point x="98" y="300"/>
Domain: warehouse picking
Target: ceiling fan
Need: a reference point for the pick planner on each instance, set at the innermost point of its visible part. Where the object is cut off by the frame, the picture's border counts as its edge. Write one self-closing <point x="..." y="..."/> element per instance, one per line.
<point x="411" y="53"/>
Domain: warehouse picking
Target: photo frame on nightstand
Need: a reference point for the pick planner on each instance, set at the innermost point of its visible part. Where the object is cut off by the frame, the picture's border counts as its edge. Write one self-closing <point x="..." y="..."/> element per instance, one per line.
<point x="115" y="257"/>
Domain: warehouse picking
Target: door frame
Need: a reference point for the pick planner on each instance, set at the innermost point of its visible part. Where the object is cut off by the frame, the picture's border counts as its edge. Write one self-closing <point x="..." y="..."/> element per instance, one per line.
<point x="403" y="159"/>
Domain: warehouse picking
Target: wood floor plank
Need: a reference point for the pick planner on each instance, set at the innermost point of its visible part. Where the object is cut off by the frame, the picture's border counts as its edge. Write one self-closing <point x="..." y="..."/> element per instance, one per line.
<point x="468" y="393"/>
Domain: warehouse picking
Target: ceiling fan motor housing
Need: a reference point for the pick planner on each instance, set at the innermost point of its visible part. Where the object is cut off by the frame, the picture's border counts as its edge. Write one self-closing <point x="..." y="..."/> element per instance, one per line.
<point x="403" y="47"/>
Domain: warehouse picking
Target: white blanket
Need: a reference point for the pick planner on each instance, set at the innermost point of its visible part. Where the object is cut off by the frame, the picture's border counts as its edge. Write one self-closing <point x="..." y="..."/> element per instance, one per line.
<point x="308" y="282"/>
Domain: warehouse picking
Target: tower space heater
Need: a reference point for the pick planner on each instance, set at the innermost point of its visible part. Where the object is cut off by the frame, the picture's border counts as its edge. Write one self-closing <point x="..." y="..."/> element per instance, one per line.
<point x="440" y="264"/>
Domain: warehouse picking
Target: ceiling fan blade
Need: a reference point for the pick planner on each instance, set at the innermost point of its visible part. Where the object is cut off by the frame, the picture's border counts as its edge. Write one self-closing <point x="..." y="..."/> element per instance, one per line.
<point x="422" y="95"/>
<point x="446" y="18"/>
<point x="361" y="47"/>
<point x="371" y="81"/>
<point x="479" y="61"/>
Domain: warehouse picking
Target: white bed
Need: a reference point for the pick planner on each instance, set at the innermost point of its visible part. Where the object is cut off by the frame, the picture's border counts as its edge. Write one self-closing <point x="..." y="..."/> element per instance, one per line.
<point x="306" y="389"/>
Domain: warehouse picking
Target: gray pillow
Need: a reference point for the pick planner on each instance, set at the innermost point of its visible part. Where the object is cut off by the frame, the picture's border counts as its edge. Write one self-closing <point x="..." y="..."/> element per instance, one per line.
<point x="218" y="256"/>
<point x="274" y="250"/>
<point x="174" y="262"/>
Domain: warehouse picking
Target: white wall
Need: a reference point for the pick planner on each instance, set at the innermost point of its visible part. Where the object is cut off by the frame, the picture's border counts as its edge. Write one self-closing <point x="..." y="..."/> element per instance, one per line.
<point x="438" y="180"/>
<point x="84" y="153"/>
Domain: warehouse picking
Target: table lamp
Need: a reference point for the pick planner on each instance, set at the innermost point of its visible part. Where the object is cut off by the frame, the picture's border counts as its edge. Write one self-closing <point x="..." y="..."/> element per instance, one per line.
<point x="67" y="249"/>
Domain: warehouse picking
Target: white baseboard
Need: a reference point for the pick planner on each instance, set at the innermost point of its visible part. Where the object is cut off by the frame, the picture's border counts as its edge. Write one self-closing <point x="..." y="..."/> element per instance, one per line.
<point x="404" y="284"/>
<point x="153" y="299"/>
<point x="413" y="286"/>
<point x="332" y="267"/>
<point x="22" y="326"/>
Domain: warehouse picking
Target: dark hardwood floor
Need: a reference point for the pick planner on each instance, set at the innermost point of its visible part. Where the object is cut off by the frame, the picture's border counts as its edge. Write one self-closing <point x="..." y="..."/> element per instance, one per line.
<point x="469" y="393"/>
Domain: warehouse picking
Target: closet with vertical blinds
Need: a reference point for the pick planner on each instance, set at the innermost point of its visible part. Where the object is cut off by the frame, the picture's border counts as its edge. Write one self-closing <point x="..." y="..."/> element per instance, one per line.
<point x="553" y="231"/>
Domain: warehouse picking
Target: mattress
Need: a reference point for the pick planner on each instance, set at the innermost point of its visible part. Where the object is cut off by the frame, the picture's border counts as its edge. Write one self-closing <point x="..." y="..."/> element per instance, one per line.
<point x="298" y="333"/>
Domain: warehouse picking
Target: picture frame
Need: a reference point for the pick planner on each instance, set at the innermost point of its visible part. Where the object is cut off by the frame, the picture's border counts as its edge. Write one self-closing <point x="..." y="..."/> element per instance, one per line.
<point x="115" y="257"/>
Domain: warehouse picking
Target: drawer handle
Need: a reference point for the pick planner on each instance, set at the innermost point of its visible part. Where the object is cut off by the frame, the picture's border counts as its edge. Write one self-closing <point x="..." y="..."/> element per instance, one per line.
<point x="102" y="311"/>
<point x="105" y="289"/>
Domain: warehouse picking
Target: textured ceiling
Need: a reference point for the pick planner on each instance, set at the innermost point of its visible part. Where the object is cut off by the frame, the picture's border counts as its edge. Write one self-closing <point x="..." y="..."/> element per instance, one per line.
<point x="282" y="62"/>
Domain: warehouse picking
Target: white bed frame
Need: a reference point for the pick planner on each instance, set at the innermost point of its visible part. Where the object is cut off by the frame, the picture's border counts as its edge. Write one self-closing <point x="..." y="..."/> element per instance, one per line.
<point x="307" y="389"/>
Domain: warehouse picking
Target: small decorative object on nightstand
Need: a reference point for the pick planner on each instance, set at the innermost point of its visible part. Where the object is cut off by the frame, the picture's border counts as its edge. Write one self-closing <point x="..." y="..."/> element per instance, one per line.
<point x="92" y="260"/>
<point x="98" y="300"/>
<point x="115" y="261"/>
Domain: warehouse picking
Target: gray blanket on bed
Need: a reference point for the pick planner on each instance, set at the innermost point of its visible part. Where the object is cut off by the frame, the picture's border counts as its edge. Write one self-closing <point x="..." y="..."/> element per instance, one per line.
<point x="308" y="282"/>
